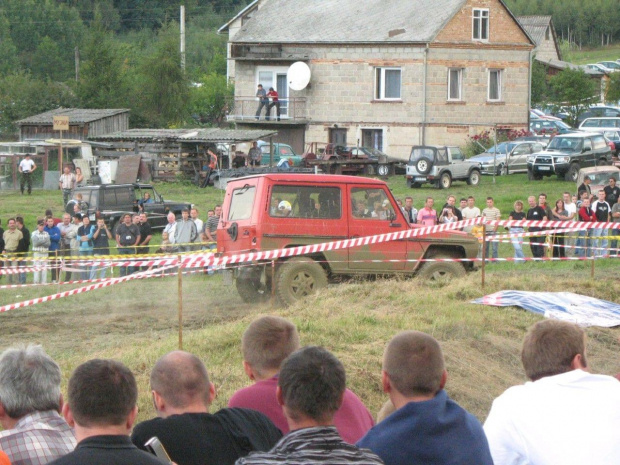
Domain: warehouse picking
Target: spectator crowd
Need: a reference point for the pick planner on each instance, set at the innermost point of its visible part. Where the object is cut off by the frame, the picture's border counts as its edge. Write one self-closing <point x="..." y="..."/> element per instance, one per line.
<point x="298" y="410"/>
<point x="76" y="236"/>
<point x="602" y="206"/>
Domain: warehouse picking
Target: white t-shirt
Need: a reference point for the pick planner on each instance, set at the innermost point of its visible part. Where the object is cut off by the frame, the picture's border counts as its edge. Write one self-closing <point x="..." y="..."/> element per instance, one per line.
<point x="468" y="214"/>
<point x="571" y="208"/>
<point x="26" y="165"/>
<point x="569" y="419"/>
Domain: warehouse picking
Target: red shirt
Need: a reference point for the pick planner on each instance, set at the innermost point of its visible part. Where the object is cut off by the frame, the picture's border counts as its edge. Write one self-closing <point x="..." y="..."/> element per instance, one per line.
<point x="352" y="419"/>
<point x="273" y="94"/>
<point x="587" y="214"/>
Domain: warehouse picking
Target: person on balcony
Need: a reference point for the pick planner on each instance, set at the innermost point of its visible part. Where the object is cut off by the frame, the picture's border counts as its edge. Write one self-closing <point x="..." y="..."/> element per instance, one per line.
<point x="275" y="102"/>
<point x="263" y="101"/>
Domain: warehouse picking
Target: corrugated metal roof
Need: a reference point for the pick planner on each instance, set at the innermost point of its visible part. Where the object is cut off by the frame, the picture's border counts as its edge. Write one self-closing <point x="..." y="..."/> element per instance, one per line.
<point x="558" y="64"/>
<point x="348" y="21"/>
<point x="76" y="115"/>
<point x="536" y="26"/>
<point x="188" y="135"/>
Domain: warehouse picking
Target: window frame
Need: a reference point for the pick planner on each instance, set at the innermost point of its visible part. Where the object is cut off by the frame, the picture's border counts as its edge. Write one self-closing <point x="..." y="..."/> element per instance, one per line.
<point x="379" y="87"/>
<point x="484" y="15"/>
<point x="499" y="85"/>
<point x="460" y="86"/>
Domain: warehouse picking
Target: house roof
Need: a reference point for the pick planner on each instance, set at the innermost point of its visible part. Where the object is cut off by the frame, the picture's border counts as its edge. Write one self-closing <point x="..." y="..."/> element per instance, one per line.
<point x="370" y="21"/>
<point x="558" y="64"/>
<point x="536" y="26"/>
<point x="76" y="115"/>
<point x="224" y="28"/>
<point x="214" y="135"/>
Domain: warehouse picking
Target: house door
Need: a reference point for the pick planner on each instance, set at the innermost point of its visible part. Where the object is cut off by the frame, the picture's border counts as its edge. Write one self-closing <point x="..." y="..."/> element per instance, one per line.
<point x="282" y="88"/>
<point x="372" y="138"/>
<point x="338" y="136"/>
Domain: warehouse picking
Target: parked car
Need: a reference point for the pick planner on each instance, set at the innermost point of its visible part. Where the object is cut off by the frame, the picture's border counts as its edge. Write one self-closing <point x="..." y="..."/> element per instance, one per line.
<point x="598" y="67"/>
<point x="376" y="155"/>
<point x="539" y="114"/>
<point x="613" y="136"/>
<point x="612" y="65"/>
<point x="440" y="165"/>
<point x="567" y="153"/>
<point x="599" y="111"/>
<point x="549" y="127"/>
<point x="511" y="157"/>
<point x="281" y="211"/>
<point x="112" y="201"/>
<point x="599" y="175"/>
<point x="542" y="140"/>
<point x="600" y="124"/>
<point x="279" y="151"/>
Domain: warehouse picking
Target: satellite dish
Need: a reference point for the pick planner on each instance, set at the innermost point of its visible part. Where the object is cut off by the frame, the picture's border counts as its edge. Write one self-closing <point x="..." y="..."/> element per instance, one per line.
<point x="298" y="75"/>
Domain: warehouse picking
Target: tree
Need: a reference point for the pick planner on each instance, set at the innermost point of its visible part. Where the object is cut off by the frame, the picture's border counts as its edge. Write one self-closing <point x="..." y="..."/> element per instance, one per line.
<point x="210" y="99"/>
<point x="103" y="82"/>
<point x="540" y="86"/>
<point x="613" y="88"/>
<point x="575" y="91"/>
<point x="162" y="87"/>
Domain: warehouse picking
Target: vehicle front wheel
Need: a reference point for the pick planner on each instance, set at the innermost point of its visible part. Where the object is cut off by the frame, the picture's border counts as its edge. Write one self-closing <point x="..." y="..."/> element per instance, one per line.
<point x="474" y="178"/>
<point x="533" y="177"/>
<point x="435" y="271"/>
<point x="251" y="288"/>
<point x="445" y="181"/>
<point x="572" y="173"/>
<point x="298" y="278"/>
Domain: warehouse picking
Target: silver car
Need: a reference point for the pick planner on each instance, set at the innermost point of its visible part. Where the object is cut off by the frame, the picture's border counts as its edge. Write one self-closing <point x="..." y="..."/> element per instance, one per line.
<point x="511" y="157"/>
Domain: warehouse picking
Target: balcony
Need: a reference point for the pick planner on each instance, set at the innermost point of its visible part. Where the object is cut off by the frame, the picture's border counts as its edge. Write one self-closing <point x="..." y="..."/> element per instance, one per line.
<point x="292" y="111"/>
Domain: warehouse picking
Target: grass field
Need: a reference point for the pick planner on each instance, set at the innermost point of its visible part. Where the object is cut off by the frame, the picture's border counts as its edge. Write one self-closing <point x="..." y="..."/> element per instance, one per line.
<point x="137" y="321"/>
<point x="593" y="55"/>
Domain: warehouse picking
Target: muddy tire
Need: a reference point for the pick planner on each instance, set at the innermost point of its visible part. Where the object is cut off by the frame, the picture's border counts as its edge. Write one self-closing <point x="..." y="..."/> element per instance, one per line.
<point x="573" y="173"/>
<point x="533" y="177"/>
<point x="474" y="178"/>
<point x="251" y="288"/>
<point x="435" y="271"/>
<point x="298" y="278"/>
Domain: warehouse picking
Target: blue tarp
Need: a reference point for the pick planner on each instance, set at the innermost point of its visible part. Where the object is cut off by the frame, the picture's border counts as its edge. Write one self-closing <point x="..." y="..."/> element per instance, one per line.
<point x="579" y="309"/>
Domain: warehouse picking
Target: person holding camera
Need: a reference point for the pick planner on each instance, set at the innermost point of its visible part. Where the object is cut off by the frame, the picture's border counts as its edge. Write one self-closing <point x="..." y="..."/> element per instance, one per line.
<point x="26" y="168"/>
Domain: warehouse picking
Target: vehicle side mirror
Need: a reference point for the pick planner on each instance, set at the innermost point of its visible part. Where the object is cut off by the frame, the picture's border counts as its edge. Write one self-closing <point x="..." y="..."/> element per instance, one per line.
<point x="586" y="149"/>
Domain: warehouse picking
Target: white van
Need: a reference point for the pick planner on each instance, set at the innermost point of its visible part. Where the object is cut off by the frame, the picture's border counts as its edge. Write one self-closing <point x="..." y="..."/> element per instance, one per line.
<point x="600" y="124"/>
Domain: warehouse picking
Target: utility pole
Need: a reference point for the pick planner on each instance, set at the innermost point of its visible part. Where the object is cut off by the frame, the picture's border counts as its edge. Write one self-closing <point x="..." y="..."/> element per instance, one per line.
<point x="77" y="64"/>
<point x="182" y="21"/>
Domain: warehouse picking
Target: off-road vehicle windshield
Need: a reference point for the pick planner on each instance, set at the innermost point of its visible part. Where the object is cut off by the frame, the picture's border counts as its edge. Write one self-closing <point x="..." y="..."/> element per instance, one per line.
<point x="565" y="144"/>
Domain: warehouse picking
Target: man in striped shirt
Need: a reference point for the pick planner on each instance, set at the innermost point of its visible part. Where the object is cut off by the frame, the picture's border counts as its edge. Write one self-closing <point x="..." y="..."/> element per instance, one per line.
<point x="491" y="213"/>
<point x="311" y="385"/>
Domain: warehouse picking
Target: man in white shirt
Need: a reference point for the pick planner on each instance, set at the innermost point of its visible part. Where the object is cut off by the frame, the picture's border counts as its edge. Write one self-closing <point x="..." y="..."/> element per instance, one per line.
<point x="26" y="167"/>
<point x="571" y="209"/>
<point x="67" y="183"/>
<point x="565" y="415"/>
<point x="469" y="212"/>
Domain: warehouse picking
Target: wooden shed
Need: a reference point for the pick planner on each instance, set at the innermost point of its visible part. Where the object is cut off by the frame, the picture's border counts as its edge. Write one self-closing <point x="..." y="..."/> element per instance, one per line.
<point x="83" y="123"/>
<point x="168" y="153"/>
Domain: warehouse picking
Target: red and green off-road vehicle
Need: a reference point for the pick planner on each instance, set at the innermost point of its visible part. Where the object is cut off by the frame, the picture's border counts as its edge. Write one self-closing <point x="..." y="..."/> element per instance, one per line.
<point x="274" y="211"/>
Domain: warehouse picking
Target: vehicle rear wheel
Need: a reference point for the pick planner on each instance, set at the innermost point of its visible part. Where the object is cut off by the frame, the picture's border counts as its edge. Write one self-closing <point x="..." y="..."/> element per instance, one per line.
<point x="383" y="170"/>
<point x="435" y="271"/>
<point x="445" y="181"/>
<point x="251" y="288"/>
<point x="416" y="185"/>
<point x="298" y="278"/>
<point x="533" y="177"/>
<point x="474" y="178"/>
<point x="572" y="173"/>
<point x="424" y="165"/>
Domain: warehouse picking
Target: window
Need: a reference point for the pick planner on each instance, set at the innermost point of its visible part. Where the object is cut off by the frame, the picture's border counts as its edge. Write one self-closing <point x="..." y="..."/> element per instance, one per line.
<point x="598" y="142"/>
<point x="372" y="138"/>
<point x="305" y="202"/>
<point x="480" y="24"/>
<point x="371" y="204"/>
<point x="457" y="155"/>
<point x="455" y="78"/>
<point x="275" y="76"/>
<point x="242" y="203"/>
<point x="387" y="82"/>
<point x="495" y="85"/>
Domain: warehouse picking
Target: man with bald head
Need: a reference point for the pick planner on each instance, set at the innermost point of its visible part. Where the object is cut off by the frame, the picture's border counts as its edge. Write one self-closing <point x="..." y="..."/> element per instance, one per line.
<point x="182" y="395"/>
<point x="427" y="426"/>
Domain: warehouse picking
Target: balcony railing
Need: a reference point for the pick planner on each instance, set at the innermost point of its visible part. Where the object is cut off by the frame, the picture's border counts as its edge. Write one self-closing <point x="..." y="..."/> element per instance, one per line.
<point x="292" y="109"/>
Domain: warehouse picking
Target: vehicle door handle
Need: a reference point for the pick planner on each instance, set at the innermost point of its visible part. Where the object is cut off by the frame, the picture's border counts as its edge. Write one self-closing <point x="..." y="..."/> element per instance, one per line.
<point x="354" y="236"/>
<point x="395" y="225"/>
